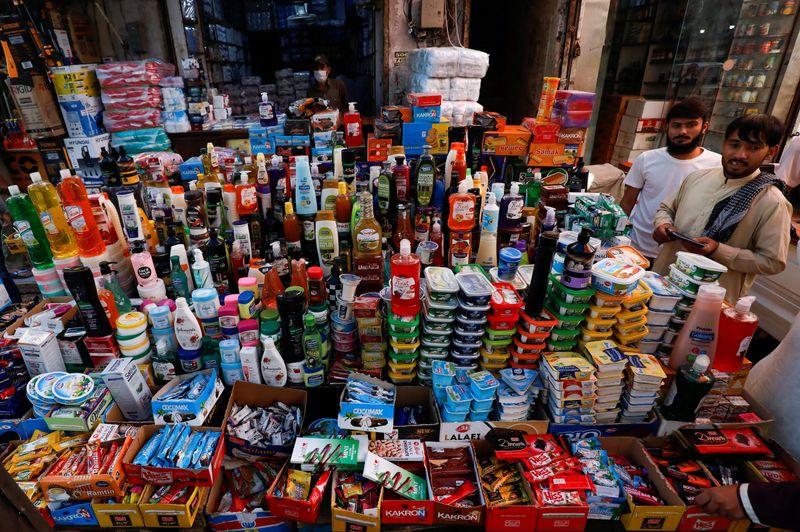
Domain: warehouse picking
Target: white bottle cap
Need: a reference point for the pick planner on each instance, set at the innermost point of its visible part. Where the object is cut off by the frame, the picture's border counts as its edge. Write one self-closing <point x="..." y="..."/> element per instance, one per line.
<point x="36" y="177"/>
<point x="712" y="292"/>
<point x="181" y="302"/>
<point x="243" y="177"/>
<point x="463" y="186"/>
<point x="198" y="255"/>
<point x="405" y="247"/>
<point x="351" y="106"/>
<point x="490" y="199"/>
<point x="374" y="171"/>
<point x="157" y="292"/>
<point x="13" y="190"/>
<point x="515" y="188"/>
<point x="744" y="303"/>
<point x="701" y="364"/>
<point x="65" y="173"/>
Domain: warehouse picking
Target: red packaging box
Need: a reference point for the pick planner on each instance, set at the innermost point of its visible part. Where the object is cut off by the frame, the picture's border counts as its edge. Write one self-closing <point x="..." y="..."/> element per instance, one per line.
<point x="305" y="511"/>
<point x="445" y="514"/>
<point x="562" y="518"/>
<point x="424" y="99"/>
<point x="378" y="149"/>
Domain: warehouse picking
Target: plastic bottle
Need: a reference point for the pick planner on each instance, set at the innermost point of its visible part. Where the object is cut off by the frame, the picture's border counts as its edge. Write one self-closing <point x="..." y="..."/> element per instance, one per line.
<point x="312" y="342"/>
<point x="29" y="226"/>
<point x="79" y="215"/>
<point x="405" y="281"/>
<point x="699" y="334"/>
<point x="291" y="309"/>
<point x="425" y="177"/>
<point x="273" y="368"/>
<point x="299" y="274"/>
<point x="401" y="175"/>
<point x="448" y="163"/>
<point x="545" y="249"/>
<point x="217" y="253"/>
<point x="166" y="364"/>
<point x="266" y="112"/>
<point x="487" y="250"/>
<point x="305" y="198"/>
<point x="317" y="179"/>
<point x="737" y="325"/>
<point x="251" y="365"/>
<point x="344" y="208"/>
<point x="511" y="208"/>
<point x="353" y="131"/>
<point x="179" y="251"/>
<point x="291" y="228"/>
<point x="129" y="215"/>
<point x="462" y="209"/>
<point x="403" y="228"/>
<point x="692" y="382"/>
<point x="109" y="169"/>
<point x="578" y="261"/>
<point x="385" y="192"/>
<point x="80" y="282"/>
<point x="333" y="283"/>
<point x="367" y="233"/>
<point x="330" y="189"/>
<point x="111" y="283"/>
<point x="459" y="172"/>
<point x="273" y="286"/>
<point x="201" y="271"/>
<point x="187" y="329"/>
<point x="59" y="234"/>
<point x="438" y="238"/>
<point x="327" y="239"/>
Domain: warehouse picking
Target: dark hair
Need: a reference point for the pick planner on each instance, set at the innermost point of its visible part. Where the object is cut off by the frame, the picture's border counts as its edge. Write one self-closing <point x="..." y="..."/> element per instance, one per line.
<point x="688" y="108"/>
<point x="757" y="128"/>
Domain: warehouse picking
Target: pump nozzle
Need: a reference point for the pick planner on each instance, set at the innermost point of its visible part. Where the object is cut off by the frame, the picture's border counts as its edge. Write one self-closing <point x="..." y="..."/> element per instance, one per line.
<point x="64" y="172"/>
<point x="351" y="107"/>
<point x="36" y="177"/>
<point x="550" y="217"/>
<point x="744" y="303"/>
<point x="515" y="188"/>
<point x="701" y="364"/>
<point x="463" y="186"/>
<point x="13" y="190"/>
<point x="405" y="247"/>
<point x="198" y="255"/>
<point x="264" y="97"/>
<point x="244" y="178"/>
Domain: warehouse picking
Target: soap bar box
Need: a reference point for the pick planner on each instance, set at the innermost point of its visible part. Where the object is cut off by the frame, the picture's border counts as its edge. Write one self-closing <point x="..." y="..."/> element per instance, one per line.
<point x="192" y="412"/>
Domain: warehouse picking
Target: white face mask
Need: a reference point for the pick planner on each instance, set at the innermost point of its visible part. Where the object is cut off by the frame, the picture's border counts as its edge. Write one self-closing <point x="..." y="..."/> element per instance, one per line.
<point x="320" y="75"/>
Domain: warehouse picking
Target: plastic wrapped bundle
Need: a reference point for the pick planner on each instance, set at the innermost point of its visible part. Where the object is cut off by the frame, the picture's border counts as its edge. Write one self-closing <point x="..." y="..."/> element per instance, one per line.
<point x="127" y="73"/>
<point x="131" y="119"/>
<point x="131" y="97"/>
<point x="173" y="99"/>
<point x="285" y="73"/>
<point x="472" y="63"/>
<point x="156" y="165"/>
<point x="465" y="89"/>
<point x="176" y="121"/>
<point x="435" y="62"/>
<point x="141" y="140"/>
<point x="423" y="83"/>
<point x="171" y="81"/>
<point x="447" y="109"/>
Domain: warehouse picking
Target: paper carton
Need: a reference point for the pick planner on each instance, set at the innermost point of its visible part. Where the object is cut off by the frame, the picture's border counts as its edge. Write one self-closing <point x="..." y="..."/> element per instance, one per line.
<point x="255" y="395"/>
<point x="412" y="396"/>
<point x="635" y="124"/>
<point x="554" y="154"/>
<point x="397" y="510"/>
<point x="116" y="515"/>
<point x="258" y="520"/>
<point x="293" y="509"/>
<point x="88" y="419"/>
<point x="431" y="114"/>
<point x="445" y="514"/>
<point x="40" y="352"/>
<point x="172" y="515"/>
<point x="343" y="520"/>
<point x="512" y="140"/>
<point x="129" y="389"/>
<point x="352" y="416"/>
<point x="477" y="430"/>
<point x="192" y="412"/>
<point x="74" y="514"/>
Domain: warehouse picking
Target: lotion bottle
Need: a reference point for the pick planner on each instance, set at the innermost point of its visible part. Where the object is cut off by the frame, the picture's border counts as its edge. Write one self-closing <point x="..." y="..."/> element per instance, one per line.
<point x="250" y="363"/>
<point x="187" y="328"/>
<point x="273" y="368"/>
<point x="201" y="271"/>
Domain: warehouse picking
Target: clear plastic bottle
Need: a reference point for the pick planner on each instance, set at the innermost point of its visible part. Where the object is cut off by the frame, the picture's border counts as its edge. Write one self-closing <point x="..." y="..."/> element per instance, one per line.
<point x="45" y="198"/>
<point x="29" y="227"/>
<point x="699" y="334"/>
<point x="79" y="213"/>
<point x="405" y="268"/>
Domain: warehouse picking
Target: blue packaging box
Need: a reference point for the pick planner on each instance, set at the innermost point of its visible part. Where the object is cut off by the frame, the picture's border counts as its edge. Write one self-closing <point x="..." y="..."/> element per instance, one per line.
<point x="415" y="135"/>
<point x="431" y="114"/>
<point x="262" y="141"/>
<point x="192" y="412"/>
<point x="351" y="414"/>
<point x="190" y="168"/>
<point x="74" y="514"/>
<point x="83" y="116"/>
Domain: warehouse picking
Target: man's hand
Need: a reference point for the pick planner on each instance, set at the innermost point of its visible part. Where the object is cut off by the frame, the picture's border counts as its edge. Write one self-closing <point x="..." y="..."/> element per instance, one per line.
<point x="722" y="501"/>
<point x="709" y="246"/>
<point x="660" y="234"/>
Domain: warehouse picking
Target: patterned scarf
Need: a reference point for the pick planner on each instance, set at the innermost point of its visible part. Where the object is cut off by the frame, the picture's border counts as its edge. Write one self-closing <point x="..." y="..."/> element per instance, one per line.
<point x="727" y="214"/>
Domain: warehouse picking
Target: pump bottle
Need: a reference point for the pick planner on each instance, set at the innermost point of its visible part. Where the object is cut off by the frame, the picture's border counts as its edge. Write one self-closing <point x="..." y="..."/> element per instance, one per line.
<point x="487" y="250"/>
<point x="737" y="325"/>
<point x="201" y="271"/>
<point x="354" y="133"/>
<point x="692" y="382"/>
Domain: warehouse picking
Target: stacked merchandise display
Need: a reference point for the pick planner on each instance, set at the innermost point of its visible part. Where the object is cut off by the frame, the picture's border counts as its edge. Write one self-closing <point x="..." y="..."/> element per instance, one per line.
<point x="174" y="116"/>
<point x="441" y="289"/>
<point x="290" y="86"/>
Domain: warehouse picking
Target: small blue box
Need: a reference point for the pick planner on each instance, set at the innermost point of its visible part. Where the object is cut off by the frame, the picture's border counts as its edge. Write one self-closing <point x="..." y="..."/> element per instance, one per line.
<point x="430" y="115"/>
<point x="75" y="514"/>
<point x="190" y="168"/>
<point x="192" y="412"/>
<point x="415" y="135"/>
<point x="351" y="413"/>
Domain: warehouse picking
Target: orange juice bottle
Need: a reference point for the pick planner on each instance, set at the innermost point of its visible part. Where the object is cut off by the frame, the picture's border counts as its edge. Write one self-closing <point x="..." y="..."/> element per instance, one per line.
<point x="80" y="216"/>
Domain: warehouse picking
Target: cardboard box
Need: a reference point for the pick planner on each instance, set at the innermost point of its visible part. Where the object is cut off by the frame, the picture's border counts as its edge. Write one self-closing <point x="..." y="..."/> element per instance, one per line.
<point x="40" y="352"/>
<point x="378" y="149"/>
<point x="129" y="389"/>
<point x="417" y="395"/>
<point x="351" y="414"/>
<point x="397" y="510"/>
<point x="59" y="488"/>
<point x="424" y="99"/>
<point x="325" y="121"/>
<point x="74" y="514"/>
<point x="114" y="515"/>
<point x="490" y="120"/>
<point x="637" y="141"/>
<point x="430" y="115"/>
<point x="512" y="140"/>
<point x="255" y="395"/>
<point x="75" y="80"/>
<point x="445" y="514"/>
<point x="172" y="515"/>
<point x="323" y="139"/>
<point x="53" y="156"/>
<point x="642" y="517"/>
<point x="83" y="115"/>
<point x="147" y="474"/>
<point x="477" y="430"/>
<point x="419" y="134"/>
<point x="580" y="432"/>
<point x="642" y="108"/>
<point x="23" y="427"/>
<point x="259" y="520"/>
<point x="193" y="413"/>
<point x="40" y="116"/>
<point x="344" y="520"/>
<point x="296" y="510"/>
<point x="554" y="154"/>
<point x="764" y="426"/>
<point x="297" y="127"/>
<point x="635" y="124"/>
<point x="89" y="419"/>
<point x="562" y="518"/>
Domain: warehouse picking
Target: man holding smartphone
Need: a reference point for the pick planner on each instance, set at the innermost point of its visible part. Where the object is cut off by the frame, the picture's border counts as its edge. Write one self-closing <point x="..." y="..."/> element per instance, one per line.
<point x="737" y="214"/>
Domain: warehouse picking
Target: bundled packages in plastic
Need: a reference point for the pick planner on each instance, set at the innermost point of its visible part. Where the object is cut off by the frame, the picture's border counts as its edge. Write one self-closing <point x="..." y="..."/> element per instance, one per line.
<point x="460" y="113"/>
<point x="465" y="89"/>
<point x="472" y="63"/>
<point x="423" y="83"/>
<point x="157" y="166"/>
<point x="141" y="140"/>
<point x="435" y="62"/>
<point x="123" y="120"/>
<point x="131" y="97"/>
<point x="127" y="73"/>
<point x="176" y="121"/>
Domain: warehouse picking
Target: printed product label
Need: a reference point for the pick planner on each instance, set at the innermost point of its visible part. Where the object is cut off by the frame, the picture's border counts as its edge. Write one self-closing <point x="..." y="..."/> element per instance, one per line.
<point x="249" y="198"/>
<point x="463" y="210"/>
<point x="47" y="222"/>
<point x="489" y="222"/>
<point x="144" y="273"/>
<point x="308" y="230"/>
<point x="353" y="129"/>
<point x="330" y="203"/>
<point x="404" y="287"/>
<point x="295" y="370"/>
<point x="194" y="218"/>
<point x="384" y="193"/>
<point x="368" y="240"/>
<point x="25" y="233"/>
<point x="76" y="219"/>
<point x="282" y="264"/>
<point x="326" y="245"/>
<point x="164" y="370"/>
<point x="702" y="335"/>
<point x="343" y="227"/>
<point x="514" y="211"/>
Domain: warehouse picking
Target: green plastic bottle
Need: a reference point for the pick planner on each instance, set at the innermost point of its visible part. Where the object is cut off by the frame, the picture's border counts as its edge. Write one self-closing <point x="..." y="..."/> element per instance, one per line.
<point x="313" y="372"/>
<point x="180" y="282"/>
<point x="111" y="283"/>
<point x="425" y="177"/>
<point x="210" y="357"/>
<point x="29" y="227"/>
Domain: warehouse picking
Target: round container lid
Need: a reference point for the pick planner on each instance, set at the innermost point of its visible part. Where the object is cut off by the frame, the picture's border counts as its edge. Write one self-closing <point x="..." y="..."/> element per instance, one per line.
<point x="268" y="314"/>
<point x="131" y="320"/>
<point x="73" y="388"/>
<point x="44" y="386"/>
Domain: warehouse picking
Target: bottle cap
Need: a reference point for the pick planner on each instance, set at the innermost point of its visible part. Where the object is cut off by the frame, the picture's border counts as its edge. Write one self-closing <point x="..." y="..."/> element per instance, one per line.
<point x="399" y="160"/>
<point x="711" y="292"/>
<point x="744" y="303"/>
<point x="269" y="343"/>
<point x="490" y="199"/>
<point x="701" y="364"/>
<point x="36" y="177"/>
<point x="288" y="208"/>
<point x="309" y="320"/>
<point x="374" y="171"/>
<point x="463" y="186"/>
<point x="342" y="187"/>
<point x="315" y="272"/>
<point x="243" y="175"/>
<point x="515" y="188"/>
<point x="405" y="247"/>
<point x="13" y="190"/>
<point x="198" y="256"/>
<point x="351" y="107"/>
<point x="65" y="173"/>
<point x="105" y="267"/>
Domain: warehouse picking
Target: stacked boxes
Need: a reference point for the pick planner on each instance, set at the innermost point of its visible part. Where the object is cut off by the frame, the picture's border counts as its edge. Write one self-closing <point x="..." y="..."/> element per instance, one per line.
<point x="639" y="129"/>
<point x="427" y="127"/>
<point x="404" y="333"/>
<point x="643" y="378"/>
<point x="571" y="387"/>
<point x="437" y="321"/>
<point x="504" y="314"/>
<point x="518" y="391"/>
<point x="475" y="293"/>
<point x="609" y="118"/>
<point x="610" y="362"/>
<point x="558" y="140"/>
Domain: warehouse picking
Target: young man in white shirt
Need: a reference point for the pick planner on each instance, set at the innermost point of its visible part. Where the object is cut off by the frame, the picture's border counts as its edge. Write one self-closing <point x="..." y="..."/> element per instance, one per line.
<point x="657" y="174"/>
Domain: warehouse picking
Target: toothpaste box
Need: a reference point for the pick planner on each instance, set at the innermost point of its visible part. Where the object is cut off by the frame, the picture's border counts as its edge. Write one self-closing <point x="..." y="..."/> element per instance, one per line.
<point x="192" y="412"/>
<point x="129" y="389"/>
<point x="367" y="417"/>
<point x="394" y="477"/>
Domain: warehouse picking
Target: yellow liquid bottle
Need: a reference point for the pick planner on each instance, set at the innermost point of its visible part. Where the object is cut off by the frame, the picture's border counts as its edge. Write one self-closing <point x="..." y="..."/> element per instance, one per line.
<point x="59" y="233"/>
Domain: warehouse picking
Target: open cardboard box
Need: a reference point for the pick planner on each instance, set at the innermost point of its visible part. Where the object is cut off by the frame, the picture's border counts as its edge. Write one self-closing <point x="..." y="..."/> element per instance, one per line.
<point x="381" y="415"/>
<point x="115" y="515"/>
<point x="60" y="488"/>
<point x="259" y="519"/>
<point x="642" y="517"/>
<point x="764" y="426"/>
<point x="39" y="307"/>
<point x="82" y="424"/>
<point x="296" y="510"/>
<point x="343" y="520"/>
<point x="412" y="396"/>
<point x="511" y="517"/>
<point x="254" y="395"/>
<point x="445" y="514"/>
<point x="146" y="474"/>
<point x="192" y="412"/>
<point x="397" y="510"/>
<point x="172" y="515"/>
<point x="477" y="430"/>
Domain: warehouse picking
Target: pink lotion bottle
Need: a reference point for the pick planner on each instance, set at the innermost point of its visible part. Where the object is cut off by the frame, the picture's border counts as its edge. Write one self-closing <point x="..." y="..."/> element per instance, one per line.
<point x="699" y="334"/>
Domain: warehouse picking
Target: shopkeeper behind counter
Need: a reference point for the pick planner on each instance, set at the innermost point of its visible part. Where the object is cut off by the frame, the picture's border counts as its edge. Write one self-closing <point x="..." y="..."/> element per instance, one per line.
<point x="324" y="86"/>
<point x="738" y="213"/>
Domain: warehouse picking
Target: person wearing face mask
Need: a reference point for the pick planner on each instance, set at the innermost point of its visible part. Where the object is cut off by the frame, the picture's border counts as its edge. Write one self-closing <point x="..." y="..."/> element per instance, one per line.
<point x="657" y="174"/>
<point x="737" y="214"/>
<point x="324" y="86"/>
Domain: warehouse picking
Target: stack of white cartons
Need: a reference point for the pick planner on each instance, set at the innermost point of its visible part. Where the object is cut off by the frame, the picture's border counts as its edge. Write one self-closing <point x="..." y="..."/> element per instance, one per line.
<point x="643" y="379"/>
<point x="640" y="129"/>
<point x="610" y="362"/>
<point x="453" y="72"/>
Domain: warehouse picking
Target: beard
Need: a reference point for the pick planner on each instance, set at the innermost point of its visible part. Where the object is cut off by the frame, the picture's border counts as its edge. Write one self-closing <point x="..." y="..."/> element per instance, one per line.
<point x="681" y="149"/>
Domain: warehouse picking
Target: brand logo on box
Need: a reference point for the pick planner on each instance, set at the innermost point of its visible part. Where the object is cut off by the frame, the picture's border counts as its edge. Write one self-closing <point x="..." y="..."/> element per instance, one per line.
<point x="415" y="513"/>
<point x="463" y="428"/>
<point x="155" y="477"/>
<point x="468" y="517"/>
<point x="704" y="524"/>
<point x="561" y="523"/>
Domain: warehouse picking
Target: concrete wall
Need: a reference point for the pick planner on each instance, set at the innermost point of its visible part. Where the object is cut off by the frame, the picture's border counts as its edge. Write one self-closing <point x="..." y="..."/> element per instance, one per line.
<point x="152" y="31"/>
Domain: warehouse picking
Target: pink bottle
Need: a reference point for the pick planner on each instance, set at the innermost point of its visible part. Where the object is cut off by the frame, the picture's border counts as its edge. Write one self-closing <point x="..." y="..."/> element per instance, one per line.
<point x="700" y="332"/>
<point x="143" y="267"/>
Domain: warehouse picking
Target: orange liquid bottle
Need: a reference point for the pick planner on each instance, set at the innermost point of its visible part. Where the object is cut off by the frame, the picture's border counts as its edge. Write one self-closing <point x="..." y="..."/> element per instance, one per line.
<point x="109" y="305"/>
<point x="462" y="209"/>
<point x="291" y="227"/>
<point x="80" y="216"/>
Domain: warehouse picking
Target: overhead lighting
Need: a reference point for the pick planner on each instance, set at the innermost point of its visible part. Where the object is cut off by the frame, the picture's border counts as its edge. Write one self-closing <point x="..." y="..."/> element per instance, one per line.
<point x="731" y="27"/>
<point x="702" y="31"/>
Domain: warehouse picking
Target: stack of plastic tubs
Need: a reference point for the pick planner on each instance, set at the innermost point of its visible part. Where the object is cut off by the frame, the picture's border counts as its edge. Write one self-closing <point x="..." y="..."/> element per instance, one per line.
<point x="615" y="309"/>
<point x="571" y="387"/>
<point x="403" y="347"/>
<point x="631" y="327"/>
<point x="531" y="339"/>
<point x="436" y="324"/>
<point x="503" y="316"/>
<point x="661" y="307"/>
<point x="475" y="292"/>
<point x="443" y="375"/>
<point x="483" y="388"/>
<point x="568" y="305"/>
<point x="517" y="393"/>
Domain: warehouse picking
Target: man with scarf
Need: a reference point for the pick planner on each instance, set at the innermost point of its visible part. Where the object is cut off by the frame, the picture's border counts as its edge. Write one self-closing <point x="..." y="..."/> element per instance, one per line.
<point x="737" y="213"/>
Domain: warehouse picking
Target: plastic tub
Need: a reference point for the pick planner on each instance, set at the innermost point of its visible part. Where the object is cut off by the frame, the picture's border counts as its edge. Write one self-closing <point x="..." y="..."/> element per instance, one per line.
<point x="542" y="324"/>
<point x="342" y="326"/>
<point x="467" y="337"/>
<point x="457" y="399"/>
<point x="131" y="323"/>
<point x="657" y="318"/>
<point x="138" y="350"/>
<point x="475" y="268"/>
<point x="665" y="294"/>
<point x="592" y="336"/>
<point x="471" y="314"/>
<point x="440" y="283"/>
<point x="648" y="347"/>
<point x="631" y="327"/>
<point x="563" y="308"/>
<point x="524" y="358"/>
<point x="483" y="385"/>
<point x="597" y="325"/>
<point x="560" y="346"/>
<point x="460" y="348"/>
<point x="404" y="358"/>
<point x="405" y="338"/>
<point x="684" y="282"/>
<point x="402" y="368"/>
<point x="434" y="317"/>
<point x="504" y="322"/>
<point x="628" y="254"/>
<point x="404" y="349"/>
<point x="698" y="267"/>
<point x="631" y="316"/>
<point x="450" y="304"/>
<point x="435" y="348"/>
<point x="570" y="295"/>
<point x="435" y="339"/>
<point x="465" y="361"/>
<point x="630" y="339"/>
<point x="568" y="322"/>
<point x="438" y="313"/>
<point x="616" y="277"/>
<point x="454" y="417"/>
<point x="529" y="349"/>
<point x="655" y="334"/>
<point x="518" y="282"/>
<point x="495" y="348"/>
<point x="669" y="336"/>
<point x="401" y="378"/>
<point x="560" y="335"/>
<point x="443" y="373"/>
<point x="494" y="357"/>
<point x="400" y="325"/>
<point x="433" y="327"/>
<point x="491" y="367"/>
<point x="475" y="288"/>
<point x="471" y="325"/>
<point x="682" y="311"/>
<point x="479" y="415"/>
<point x="482" y="404"/>
<point x="505" y="300"/>
<point x="603" y="313"/>
<point x="676" y="324"/>
<point x="495" y="335"/>
<point x="638" y="297"/>
<point x="601" y="299"/>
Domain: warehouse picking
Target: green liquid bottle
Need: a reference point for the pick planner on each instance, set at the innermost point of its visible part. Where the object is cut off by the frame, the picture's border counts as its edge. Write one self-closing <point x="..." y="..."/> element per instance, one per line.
<point x="111" y="283"/>
<point x="425" y="177"/>
<point x="29" y="227"/>
<point x="180" y="283"/>
<point x="313" y="370"/>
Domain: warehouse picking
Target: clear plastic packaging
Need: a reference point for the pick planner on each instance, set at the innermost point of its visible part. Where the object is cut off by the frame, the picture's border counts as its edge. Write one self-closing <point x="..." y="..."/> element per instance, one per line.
<point x="472" y="63"/>
<point x="439" y="62"/>
<point x="131" y="97"/>
<point x="127" y="73"/>
<point x="141" y="140"/>
<point x="116" y="121"/>
<point x="467" y="89"/>
<point x="424" y="83"/>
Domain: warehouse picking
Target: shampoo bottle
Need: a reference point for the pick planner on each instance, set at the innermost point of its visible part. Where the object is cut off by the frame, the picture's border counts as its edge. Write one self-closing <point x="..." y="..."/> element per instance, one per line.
<point x="327" y="240"/>
<point x="80" y="281"/>
<point x="487" y="250"/>
<point x="305" y="197"/>
<point x="692" y="382"/>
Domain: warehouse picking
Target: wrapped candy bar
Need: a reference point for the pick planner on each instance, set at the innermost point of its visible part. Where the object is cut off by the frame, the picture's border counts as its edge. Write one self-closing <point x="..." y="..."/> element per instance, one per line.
<point x="277" y="424"/>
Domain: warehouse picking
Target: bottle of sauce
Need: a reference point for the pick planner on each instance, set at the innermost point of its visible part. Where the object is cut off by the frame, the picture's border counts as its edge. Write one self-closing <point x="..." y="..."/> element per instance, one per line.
<point x="316" y="286"/>
<point x="291" y="228"/>
<point x="403" y="229"/>
<point x="459" y="168"/>
<point x="578" y="261"/>
<point x="737" y="325"/>
<point x="367" y="257"/>
<point x="425" y="177"/>
<point x="402" y="179"/>
<point x="692" y="382"/>
<point x="344" y="209"/>
<point x="405" y="281"/>
<point x="699" y="334"/>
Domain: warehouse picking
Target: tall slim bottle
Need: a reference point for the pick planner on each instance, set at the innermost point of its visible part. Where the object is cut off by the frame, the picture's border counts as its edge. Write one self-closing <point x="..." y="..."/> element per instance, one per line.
<point x="29" y="227"/>
<point x="45" y="198"/>
<point x="425" y="177"/>
<point x="79" y="213"/>
<point x="487" y="249"/>
<point x="80" y="281"/>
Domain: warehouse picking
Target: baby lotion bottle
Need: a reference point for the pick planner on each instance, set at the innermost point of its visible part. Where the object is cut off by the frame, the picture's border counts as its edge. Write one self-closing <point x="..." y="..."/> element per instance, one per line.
<point x="250" y="363"/>
<point x="273" y="368"/>
<point x="201" y="271"/>
<point x="699" y="334"/>
<point x="187" y="329"/>
<point x="487" y="250"/>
